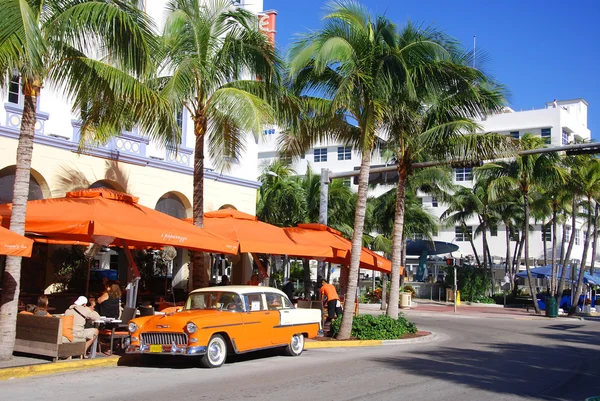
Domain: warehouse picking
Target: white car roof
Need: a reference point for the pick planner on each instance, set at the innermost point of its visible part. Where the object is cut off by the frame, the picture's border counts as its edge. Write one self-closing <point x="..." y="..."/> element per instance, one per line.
<point x="240" y="289"/>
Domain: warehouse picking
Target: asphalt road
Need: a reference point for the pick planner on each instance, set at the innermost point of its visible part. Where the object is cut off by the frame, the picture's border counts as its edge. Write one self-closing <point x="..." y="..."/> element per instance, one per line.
<point x="472" y="359"/>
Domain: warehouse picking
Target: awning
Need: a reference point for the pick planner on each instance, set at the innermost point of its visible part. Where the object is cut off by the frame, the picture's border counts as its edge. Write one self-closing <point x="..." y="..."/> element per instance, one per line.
<point x="13" y="244"/>
<point x="105" y="217"/>
<point x="543" y="272"/>
<point x="256" y="236"/>
<point x="342" y="247"/>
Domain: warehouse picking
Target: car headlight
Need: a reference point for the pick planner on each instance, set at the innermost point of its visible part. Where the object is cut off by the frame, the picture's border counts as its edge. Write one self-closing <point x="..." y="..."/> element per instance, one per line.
<point x="132" y="327"/>
<point x="191" y="327"/>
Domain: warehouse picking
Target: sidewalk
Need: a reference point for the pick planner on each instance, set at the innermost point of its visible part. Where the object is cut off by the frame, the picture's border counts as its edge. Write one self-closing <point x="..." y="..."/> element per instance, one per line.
<point x="23" y="366"/>
<point x="429" y="307"/>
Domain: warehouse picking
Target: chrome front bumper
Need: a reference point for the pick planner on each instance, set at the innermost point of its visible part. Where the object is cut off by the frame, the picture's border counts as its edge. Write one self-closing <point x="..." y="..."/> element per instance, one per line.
<point x="166" y="349"/>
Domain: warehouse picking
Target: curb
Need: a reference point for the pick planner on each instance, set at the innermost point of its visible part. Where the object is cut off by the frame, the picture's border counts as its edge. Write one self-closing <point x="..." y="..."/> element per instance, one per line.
<point x="56" y="367"/>
<point x="367" y="343"/>
<point x="341" y="344"/>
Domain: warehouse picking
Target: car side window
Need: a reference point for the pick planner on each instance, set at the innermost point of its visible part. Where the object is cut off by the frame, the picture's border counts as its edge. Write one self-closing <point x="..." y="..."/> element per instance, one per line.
<point x="254" y="302"/>
<point x="277" y="301"/>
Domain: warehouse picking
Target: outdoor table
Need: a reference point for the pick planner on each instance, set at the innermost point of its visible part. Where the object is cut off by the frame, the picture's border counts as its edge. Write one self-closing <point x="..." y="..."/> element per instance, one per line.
<point x="104" y="321"/>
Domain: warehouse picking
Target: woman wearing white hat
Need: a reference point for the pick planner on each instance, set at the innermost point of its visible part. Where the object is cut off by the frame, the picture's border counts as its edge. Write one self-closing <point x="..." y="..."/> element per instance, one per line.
<point x="81" y="313"/>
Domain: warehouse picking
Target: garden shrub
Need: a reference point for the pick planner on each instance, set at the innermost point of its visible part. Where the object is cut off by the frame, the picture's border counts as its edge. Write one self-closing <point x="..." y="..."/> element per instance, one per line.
<point x="409" y="288"/>
<point x="368" y="327"/>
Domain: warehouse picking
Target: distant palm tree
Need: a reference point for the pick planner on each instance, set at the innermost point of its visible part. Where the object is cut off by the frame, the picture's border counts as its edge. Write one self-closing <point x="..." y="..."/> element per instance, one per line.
<point x="92" y="52"/>
<point x="463" y="206"/>
<point x="281" y="198"/>
<point x="525" y="172"/>
<point x="586" y="177"/>
<point x="213" y="53"/>
<point x="507" y="209"/>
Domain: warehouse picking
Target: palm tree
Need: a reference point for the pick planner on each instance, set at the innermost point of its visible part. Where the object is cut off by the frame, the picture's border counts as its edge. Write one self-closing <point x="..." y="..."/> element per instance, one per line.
<point x="506" y="210"/>
<point x="344" y="64"/>
<point x="463" y="206"/>
<point x="586" y="177"/>
<point x="281" y="199"/>
<point x="436" y="95"/>
<point x="94" y="53"/>
<point x="212" y="53"/>
<point x="556" y="201"/>
<point x="525" y="172"/>
<point x="595" y="233"/>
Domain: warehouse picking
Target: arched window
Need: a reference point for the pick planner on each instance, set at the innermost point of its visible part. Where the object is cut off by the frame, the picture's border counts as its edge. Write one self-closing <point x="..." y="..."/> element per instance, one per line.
<point x="104" y="184"/>
<point x="7" y="184"/>
<point x="171" y="204"/>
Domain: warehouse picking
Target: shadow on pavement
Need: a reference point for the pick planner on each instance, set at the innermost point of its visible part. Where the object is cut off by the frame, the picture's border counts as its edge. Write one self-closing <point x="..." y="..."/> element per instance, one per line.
<point x="183" y="362"/>
<point x="567" y="372"/>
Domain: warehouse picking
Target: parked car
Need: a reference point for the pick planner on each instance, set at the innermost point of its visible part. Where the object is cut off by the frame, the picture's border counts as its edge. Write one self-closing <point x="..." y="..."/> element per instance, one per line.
<point x="219" y="320"/>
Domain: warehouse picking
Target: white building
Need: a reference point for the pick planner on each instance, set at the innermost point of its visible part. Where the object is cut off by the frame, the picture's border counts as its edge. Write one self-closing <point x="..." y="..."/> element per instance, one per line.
<point x="561" y="123"/>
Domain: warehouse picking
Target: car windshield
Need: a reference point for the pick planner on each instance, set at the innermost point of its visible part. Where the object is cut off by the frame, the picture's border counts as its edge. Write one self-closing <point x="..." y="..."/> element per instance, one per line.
<point x="221" y="300"/>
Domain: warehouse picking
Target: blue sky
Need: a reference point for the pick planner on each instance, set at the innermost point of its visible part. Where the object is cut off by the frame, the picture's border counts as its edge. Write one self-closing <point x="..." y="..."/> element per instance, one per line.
<point x="540" y="50"/>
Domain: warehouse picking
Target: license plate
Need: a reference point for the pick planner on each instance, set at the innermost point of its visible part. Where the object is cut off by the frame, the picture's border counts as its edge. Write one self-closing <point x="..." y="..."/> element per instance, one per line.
<point x="156" y="348"/>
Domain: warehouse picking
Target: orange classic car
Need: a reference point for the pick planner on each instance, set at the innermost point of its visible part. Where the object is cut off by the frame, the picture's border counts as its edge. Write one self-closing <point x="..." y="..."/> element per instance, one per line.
<point x="219" y="320"/>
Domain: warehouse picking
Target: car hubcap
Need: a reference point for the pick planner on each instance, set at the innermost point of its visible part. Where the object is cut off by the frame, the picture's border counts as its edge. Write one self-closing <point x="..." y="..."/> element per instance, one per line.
<point x="297" y="343"/>
<point x="215" y="352"/>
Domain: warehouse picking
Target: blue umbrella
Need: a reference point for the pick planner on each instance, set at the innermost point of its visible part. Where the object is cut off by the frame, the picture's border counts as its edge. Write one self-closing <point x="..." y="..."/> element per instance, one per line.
<point x="546" y="271"/>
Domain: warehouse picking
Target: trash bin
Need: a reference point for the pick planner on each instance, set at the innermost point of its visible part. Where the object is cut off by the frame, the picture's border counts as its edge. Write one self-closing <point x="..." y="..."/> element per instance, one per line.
<point x="551" y="307"/>
<point x="405" y="299"/>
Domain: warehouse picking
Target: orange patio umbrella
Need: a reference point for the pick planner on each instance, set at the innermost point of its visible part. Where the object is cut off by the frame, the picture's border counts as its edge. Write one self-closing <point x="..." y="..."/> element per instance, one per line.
<point x="13" y="244"/>
<point x="104" y="216"/>
<point x="258" y="237"/>
<point x="340" y="245"/>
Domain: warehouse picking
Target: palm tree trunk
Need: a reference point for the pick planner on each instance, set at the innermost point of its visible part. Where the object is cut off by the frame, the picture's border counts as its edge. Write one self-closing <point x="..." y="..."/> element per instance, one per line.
<point x="586" y="245"/>
<point x="554" y="235"/>
<point x="12" y="273"/>
<point x="487" y="261"/>
<point x="508" y="265"/>
<point x="200" y="265"/>
<point x="307" y="281"/>
<point x="565" y="261"/>
<point x="519" y="252"/>
<point x="526" y="235"/>
<point x="392" y="310"/>
<point x="545" y="244"/>
<point x="595" y="242"/>
<point x="384" y="294"/>
<point x="359" y="224"/>
<point x="473" y="247"/>
<point x="563" y="242"/>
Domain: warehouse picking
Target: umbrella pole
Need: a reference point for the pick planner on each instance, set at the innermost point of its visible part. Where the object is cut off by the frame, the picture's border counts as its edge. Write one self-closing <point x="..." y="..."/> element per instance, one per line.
<point x="133" y="285"/>
<point x="87" y="282"/>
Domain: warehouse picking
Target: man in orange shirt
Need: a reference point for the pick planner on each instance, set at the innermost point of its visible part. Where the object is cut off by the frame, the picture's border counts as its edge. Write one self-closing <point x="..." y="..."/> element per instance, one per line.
<point x="334" y="307"/>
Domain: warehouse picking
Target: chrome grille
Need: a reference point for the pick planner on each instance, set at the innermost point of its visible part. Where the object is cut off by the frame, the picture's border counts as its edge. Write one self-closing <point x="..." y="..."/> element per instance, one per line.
<point x="164" y="338"/>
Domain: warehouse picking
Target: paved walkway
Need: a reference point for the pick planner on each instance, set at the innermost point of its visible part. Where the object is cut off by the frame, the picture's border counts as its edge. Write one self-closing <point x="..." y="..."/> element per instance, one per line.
<point x="426" y="307"/>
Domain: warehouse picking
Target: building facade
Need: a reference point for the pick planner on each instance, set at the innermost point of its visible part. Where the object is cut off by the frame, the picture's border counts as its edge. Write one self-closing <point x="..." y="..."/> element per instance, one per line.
<point x="559" y="122"/>
<point x="160" y="176"/>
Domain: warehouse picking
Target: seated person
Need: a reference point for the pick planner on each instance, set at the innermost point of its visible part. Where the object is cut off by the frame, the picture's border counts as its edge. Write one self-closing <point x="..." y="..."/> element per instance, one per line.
<point x="42" y="306"/>
<point x="81" y="313"/>
<point x="109" y="303"/>
<point x="29" y="309"/>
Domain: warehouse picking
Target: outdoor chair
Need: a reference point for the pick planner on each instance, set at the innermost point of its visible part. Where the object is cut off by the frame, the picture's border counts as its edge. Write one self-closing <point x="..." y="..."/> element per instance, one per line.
<point x="119" y="331"/>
